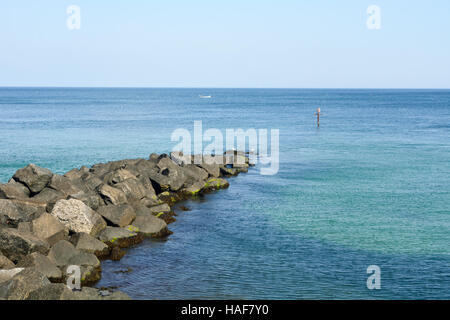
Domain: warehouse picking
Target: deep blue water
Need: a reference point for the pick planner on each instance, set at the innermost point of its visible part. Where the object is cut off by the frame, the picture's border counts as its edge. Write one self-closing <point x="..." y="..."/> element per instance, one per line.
<point x="370" y="187"/>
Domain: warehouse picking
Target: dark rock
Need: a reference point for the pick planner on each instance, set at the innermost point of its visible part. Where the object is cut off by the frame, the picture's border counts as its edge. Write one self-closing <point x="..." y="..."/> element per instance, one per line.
<point x="118" y="215"/>
<point x="15" y="244"/>
<point x="64" y="185"/>
<point x="118" y="176"/>
<point x="92" y="200"/>
<point x="64" y="254"/>
<point x="112" y="195"/>
<point x="48" y="195"/>
<point x="41" y="264"/>
<point x="34" y="177"/>
<point x="87" y="243"/>
<point x="119" y="237"/>
<point x="116" y="254"/>
<point x="22" y="284"/>
<point x="151" y="226"/>
<point x="14" y="190"/>
<point x="216" y="184"/>
<point x="12" y="212"/>
<point x="49" y="229"/>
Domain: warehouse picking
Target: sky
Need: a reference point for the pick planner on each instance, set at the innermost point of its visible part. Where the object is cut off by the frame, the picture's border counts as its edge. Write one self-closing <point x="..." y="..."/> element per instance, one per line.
<point x="232" y="43"/>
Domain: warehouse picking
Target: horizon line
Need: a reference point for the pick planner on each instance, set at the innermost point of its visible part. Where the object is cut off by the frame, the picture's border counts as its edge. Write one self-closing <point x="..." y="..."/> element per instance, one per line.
<point x="224" y="87"/>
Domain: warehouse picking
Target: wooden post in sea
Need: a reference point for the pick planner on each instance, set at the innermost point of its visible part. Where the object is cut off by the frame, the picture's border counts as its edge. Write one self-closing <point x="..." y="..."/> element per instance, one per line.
<point x="318" y="117"/>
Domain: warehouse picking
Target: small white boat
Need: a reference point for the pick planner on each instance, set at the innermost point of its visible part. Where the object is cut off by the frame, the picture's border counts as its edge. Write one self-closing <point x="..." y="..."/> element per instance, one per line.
<point x="205" y="97"/>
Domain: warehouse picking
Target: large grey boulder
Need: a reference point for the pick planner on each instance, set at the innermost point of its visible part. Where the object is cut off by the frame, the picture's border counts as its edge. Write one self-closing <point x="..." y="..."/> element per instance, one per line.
<point x="78" y="217"/>
<point x="87" y="243"/>
<point x="75" y="174"/>
<point x="64" y="254"/>
<point x="22" y="284"/>
<point x="194" y="173"/>
<point x="157" y="210"/>
<point x="133" y="189"/>
<point x="12" y="212"/>
<point x="15" y="244"/>
<point x="92" y="200"/>
<point x="151" y="226"/>
<point x="112" y="195"/>
<point x="49" y="229"/>
<point x="120" y="237"/>
<point x="42" y="264"/>
<point x="63" y="185"/>
<point x="165" y="174"/>
<point x="49" y="195"/>
<point x="118" y="176"/>
<point x="5" y="263"/>
<point x="34" y="177"/>
<point x="14" y="190"/>
<point x="216" y="184"/>
<point x="119" y="215"/>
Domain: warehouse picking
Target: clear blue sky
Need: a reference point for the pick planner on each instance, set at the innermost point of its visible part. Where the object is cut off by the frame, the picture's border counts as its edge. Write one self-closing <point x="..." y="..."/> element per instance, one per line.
<point x="229" y="43"/>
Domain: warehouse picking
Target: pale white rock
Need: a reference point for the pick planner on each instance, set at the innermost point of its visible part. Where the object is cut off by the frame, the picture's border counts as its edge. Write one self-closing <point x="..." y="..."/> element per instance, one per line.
<point x="78" y="217"/>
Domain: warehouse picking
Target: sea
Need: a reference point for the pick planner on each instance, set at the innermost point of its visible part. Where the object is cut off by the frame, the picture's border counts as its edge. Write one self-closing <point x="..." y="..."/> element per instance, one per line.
<point x="369" y="187"/>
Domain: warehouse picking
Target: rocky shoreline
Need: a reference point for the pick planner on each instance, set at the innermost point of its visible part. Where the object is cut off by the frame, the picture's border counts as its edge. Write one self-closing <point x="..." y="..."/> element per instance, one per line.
<point x="49" y="222"/>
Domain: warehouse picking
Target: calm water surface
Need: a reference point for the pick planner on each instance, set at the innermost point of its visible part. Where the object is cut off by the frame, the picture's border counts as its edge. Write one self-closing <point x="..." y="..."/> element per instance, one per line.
<point x="371" y="186"/>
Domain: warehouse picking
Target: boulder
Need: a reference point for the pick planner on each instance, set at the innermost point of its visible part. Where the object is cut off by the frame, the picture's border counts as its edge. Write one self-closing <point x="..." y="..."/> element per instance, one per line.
<point x="8" y="274"/>
<point x="159" y="210"/>
<point x="15" y="244"/>
<point x="151" y="226"/>
<point x="118" y="176"/>
<point x="132" y="189"/>
<point x="48" y="195"/>
<point x="112" y="195"/>
<point x="78" y="217"/>
<point x="22" y="284"/>
<point x="25" y="227"/>
<point x="34" y="177"/>
<point x="119" y="237"/>
<point x="64" y="254"/>
<point x="49" y="229"/>
<point x="194" y="173"/>
<point x="216" y="184"/>
<point x="14" y="190"/>
<point x="228" y="171"/>
<point x="12" y="212"/>
<point x="41" y="264"/>
<point x="210" y="165"/>
<point x="195" y="188"/>
<point x="76" y="173"/>
<point x="63" y="184"/>
<point x="167" y="175"/>
<point x="92" y="200"/>
<point x="118" y="215"/>
<point x="5" y="263"/>
<point x="85" y="242"/>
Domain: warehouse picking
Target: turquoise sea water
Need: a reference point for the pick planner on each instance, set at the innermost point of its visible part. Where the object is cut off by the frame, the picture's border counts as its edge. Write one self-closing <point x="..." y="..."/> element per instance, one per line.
<point x="370" y="187"/>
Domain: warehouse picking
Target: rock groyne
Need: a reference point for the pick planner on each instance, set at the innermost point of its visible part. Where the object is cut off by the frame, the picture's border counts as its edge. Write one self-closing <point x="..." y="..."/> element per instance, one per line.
<point x="50" y="222"/>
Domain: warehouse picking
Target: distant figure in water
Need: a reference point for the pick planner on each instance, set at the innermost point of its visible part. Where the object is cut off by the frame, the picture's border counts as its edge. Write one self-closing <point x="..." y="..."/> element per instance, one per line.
<point x="317" y="113"/>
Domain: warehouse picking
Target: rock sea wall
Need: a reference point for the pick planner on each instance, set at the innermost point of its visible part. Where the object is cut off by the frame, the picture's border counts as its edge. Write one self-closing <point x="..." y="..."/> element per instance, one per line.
<point x="49" y="222"/>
